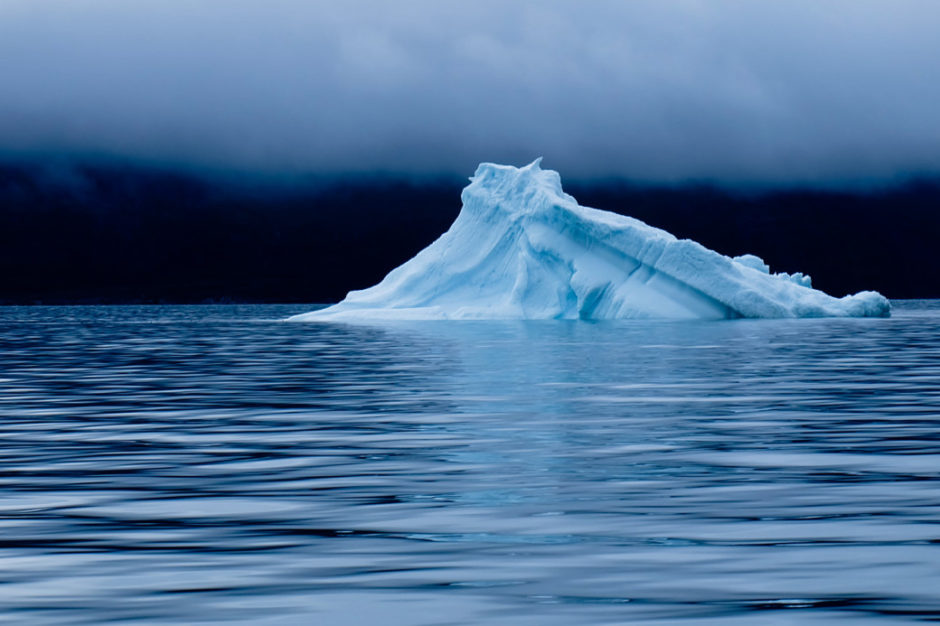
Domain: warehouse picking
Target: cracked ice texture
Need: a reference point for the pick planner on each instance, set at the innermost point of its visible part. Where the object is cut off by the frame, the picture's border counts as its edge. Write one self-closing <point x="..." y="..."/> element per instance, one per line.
<point x="521" y="248"/>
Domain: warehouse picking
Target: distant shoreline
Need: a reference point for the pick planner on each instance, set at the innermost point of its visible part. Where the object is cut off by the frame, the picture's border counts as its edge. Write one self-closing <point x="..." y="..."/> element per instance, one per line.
<point x="133" y="235"/>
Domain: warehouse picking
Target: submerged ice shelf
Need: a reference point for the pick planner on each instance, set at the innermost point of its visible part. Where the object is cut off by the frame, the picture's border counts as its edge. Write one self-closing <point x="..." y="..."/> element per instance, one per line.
<point x="522" y="248"/>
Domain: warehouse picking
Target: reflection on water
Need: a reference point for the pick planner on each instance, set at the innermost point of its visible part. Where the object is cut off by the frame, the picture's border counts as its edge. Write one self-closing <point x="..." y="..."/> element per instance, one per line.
<point x="209" y="463"/>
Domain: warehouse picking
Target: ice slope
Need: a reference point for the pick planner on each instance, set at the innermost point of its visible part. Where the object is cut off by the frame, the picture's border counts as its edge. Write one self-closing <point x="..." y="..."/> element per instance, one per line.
<point x="521" y="248"/>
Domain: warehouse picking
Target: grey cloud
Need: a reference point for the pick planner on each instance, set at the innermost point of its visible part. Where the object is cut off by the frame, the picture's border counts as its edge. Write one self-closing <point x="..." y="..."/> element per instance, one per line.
<point x="734" y="90"/>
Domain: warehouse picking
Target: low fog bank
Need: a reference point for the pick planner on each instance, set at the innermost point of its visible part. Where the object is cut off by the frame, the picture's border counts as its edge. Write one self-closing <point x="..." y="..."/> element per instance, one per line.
<point x="741" y="91"/>
<point x="96" y="232"/>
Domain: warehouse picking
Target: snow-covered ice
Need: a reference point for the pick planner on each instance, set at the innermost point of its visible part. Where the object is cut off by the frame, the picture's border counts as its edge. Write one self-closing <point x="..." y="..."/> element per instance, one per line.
<point x="521" y="248"/>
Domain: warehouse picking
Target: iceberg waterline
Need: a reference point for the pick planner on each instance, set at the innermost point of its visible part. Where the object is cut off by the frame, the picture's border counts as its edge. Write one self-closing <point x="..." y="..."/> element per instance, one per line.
<point x="521" y="248"/>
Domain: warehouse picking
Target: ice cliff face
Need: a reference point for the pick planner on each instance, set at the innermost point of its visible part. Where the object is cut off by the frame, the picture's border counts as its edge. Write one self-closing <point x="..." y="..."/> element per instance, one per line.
<point x="521" y="248"/>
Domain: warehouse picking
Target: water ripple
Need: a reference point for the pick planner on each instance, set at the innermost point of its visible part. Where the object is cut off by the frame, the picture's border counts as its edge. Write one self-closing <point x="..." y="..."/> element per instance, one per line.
<point x="213" y="463"/>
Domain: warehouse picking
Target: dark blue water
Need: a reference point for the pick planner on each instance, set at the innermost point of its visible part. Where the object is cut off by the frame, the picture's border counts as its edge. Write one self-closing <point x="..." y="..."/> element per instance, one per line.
<point x="211" y="463"/>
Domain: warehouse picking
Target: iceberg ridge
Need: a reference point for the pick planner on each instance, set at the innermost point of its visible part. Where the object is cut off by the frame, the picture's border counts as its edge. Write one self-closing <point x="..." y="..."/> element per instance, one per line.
<point x="521" y="248"/>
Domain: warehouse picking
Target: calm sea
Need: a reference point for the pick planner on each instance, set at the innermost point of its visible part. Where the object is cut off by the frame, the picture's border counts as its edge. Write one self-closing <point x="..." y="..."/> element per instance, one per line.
<point x="199" y="464"/>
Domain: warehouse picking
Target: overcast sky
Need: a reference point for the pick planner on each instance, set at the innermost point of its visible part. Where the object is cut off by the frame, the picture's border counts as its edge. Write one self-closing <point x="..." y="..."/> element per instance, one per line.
<point x="780" y="91"/>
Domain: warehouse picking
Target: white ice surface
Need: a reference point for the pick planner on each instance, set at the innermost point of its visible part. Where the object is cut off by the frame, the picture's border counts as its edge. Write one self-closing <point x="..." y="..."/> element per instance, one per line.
<point x="521" y="248"/>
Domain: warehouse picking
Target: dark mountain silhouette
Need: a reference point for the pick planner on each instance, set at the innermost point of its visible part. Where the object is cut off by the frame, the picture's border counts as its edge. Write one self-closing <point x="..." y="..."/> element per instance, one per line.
<point x="121" y="233"/>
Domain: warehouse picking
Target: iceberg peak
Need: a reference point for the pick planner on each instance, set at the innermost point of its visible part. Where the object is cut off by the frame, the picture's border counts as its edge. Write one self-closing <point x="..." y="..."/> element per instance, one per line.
<point x="521" y="248"/>
<point x="515" y="190"/>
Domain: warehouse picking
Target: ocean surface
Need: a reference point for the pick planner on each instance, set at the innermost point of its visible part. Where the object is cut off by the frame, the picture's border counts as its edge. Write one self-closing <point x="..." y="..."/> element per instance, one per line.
<point x="201" y="464"/>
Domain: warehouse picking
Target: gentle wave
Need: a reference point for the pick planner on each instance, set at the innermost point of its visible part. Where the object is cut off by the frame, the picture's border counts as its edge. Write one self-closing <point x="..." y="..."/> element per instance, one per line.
<point x="211" y="463"/>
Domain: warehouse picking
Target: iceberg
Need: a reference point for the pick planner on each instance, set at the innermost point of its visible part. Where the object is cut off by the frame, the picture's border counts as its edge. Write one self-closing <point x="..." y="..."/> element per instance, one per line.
<point x="521" y="248"/>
